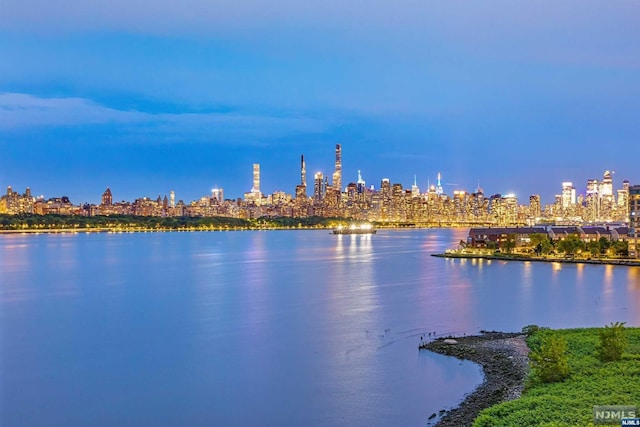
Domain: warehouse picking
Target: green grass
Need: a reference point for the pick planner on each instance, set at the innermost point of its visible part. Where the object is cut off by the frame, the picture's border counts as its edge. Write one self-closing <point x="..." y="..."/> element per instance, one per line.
<point x="590" y="382"/>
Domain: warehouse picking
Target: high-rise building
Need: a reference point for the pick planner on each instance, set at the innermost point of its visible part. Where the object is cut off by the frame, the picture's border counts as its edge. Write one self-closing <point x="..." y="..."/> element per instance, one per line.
<point x="217" y="195"/>
<point x="256" y="178"/>
<point x="634" y="221"/>
<point x="107" y="198"/>
<point x="568" y="195"/>
<point x="535" y="208"/>
<point x="172" y="196"/>
<point x="439" y="189"/>
<point x="415" y="190"/>
<point x="362" y="185"/>
<point x="606" y="187"/>
<point x="622" y="204"/>
<point x="337" y="174"/>
<point x="301" y="189"/>
<point x="318" y="187"/>
<point x="593" y="187"/>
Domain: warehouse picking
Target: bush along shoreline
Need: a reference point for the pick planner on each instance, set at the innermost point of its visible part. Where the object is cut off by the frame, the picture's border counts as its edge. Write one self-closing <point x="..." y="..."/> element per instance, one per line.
<point x="544" y="377"/>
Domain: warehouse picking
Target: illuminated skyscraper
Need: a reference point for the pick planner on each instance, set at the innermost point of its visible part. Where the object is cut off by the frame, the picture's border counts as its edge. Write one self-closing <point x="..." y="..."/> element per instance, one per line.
<point x="606" y="197"/>
<point x="107" y="198"/>
<point x="301" y="189"/>
<point x="568" y="195"/>
<point x="623" y="199"/>
<point x="256" y="178"/>
<point x="415" y="190"/>
<point x="593" y="187"/>
<point x="439" y="189"/>
<point x="337" y="174"/>
<point x="634" y="221"/>
<point x="172" y="196"/>
<point x="606" y="187"/>
<point x="362" y="186"/>
<point x="217" y="195"/>
<point x="535" y="208"/>
<point x="318" y="188"/>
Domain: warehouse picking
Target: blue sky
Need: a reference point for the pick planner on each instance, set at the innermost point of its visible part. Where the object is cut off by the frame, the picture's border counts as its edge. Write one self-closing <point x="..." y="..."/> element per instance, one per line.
<point x="152" y="96"/>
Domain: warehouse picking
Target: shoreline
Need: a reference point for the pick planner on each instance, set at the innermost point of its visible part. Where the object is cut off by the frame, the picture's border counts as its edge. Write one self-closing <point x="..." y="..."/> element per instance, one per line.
<point x="183" y="230"/>
<point x="623" y="262"/>
<point x="505" y="365"/>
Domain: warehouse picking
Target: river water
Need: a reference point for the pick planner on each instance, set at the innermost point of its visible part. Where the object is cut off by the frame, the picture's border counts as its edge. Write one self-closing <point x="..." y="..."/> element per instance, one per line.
<point x="264" y="328"/>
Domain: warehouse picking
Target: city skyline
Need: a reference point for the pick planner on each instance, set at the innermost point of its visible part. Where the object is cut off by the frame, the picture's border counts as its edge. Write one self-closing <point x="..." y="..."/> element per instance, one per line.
<point x="254" y="189"/>
<point x="147" y="98"/>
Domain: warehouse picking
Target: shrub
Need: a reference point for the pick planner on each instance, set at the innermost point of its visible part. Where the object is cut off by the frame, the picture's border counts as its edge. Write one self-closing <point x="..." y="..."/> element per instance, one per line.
<point x="532" y="329"/>
<point x="612" y="342"/>
<point x="549" y="362"/>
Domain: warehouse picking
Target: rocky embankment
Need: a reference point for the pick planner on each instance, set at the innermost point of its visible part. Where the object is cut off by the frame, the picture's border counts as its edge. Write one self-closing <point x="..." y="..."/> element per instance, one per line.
<point x="504" y="360"/>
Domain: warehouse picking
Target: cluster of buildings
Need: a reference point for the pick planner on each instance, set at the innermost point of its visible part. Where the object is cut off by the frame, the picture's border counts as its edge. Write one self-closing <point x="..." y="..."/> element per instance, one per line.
<point x="390" y="202"/>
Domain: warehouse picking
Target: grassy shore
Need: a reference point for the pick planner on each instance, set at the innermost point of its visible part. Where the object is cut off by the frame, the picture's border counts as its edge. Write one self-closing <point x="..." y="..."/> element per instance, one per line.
<point x="567" y="403"/>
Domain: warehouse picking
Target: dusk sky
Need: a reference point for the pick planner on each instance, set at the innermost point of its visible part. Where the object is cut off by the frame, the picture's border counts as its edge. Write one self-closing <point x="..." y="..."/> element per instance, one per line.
<point x="152" y="96"/>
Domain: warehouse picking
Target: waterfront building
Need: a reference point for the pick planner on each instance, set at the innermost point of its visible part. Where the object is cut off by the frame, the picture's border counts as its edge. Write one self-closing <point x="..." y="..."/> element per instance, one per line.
<point x="14" y="203"/>
<point x="483" y="237"/>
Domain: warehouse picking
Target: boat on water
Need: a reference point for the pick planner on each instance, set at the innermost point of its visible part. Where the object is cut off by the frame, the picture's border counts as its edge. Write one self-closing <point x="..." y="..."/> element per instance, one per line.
<point x="355" y="229"/>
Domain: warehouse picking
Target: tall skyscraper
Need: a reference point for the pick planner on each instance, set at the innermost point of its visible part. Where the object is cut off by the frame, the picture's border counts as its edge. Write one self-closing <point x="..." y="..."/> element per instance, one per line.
<point x="318" y="188"/>
<point x="634" y="221"/>
<point x="535" y="208"/>
<point x="337" y="174"/>
<point x="217" y="195"/>
<point x="256" y="178"/>
<point x="107" y="198"/>
<point x="606" y="187"/>
<point x="439" y="189"/>
<point x="301" y="189"/>
<point x="362" y="185"/>
<point x="568" y="195"/>
<point x="415" y="190"/>
<point x="172" y="195"/>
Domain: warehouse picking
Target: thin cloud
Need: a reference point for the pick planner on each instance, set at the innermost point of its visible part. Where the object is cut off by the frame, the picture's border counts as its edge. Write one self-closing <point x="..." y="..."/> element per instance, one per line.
<point x="25" y="111"/>
<point x="21" y="110"/>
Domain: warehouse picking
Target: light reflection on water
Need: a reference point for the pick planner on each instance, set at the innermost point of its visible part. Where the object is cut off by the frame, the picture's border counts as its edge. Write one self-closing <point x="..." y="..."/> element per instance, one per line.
<point x="265" y="328"/>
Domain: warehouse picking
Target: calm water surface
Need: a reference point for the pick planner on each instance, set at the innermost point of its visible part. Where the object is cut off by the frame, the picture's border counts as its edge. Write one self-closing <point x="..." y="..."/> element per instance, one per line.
<point x="264" y="328"/>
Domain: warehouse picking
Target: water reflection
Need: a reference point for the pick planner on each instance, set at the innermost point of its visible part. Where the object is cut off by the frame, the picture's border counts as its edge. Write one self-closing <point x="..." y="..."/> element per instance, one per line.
<point x="303" y="327"/>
